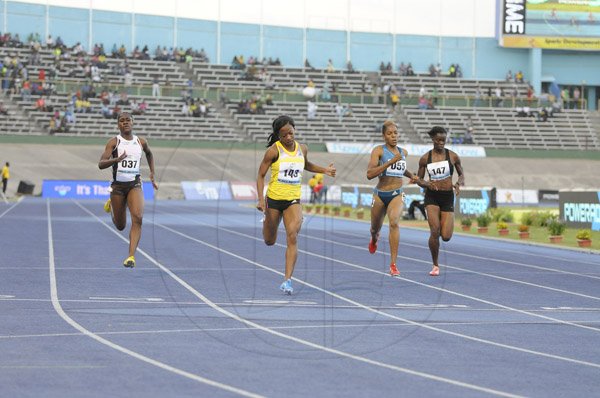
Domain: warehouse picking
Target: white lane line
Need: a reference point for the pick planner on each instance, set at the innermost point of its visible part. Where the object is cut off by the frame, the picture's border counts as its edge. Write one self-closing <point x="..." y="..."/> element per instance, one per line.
<point x="12" y="207"/>
<point x="58" y="308"/>
<point x="292" y="338"/>
<point x="488" y="275"/>
<point x="369" y="324"/>
<point x="385" y="314"/>
<point x="498" y="305"/>
<point x="126" y="299"/>
<point x="524" y="265"/>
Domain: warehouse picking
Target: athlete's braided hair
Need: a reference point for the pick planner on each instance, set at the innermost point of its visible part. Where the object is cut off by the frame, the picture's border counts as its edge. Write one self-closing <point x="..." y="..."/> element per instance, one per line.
<point x="278" y="123"/>
<point x="436" y="130"/>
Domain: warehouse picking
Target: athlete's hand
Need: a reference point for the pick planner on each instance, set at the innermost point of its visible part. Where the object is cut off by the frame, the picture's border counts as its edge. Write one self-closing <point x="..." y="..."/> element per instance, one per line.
<point x="154" y="184"/>
<point x="331" y="170"/>
<point x="123" y="156"/>
<point x="457" y="189"/>
<point x="260" y="206"/>
<point x="432" y="186"/>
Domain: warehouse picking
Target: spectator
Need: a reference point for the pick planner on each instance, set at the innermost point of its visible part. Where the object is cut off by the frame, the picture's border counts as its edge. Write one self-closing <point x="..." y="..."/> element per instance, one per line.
<point x="416" y="204"/>
<point x="350" y="67"/>
<point x="519" y="77"/>
<point x="155" y="87"/>
<point x="3" y="109"/>
<point x="312" y="183"/>
<point x="468" y="139"/>
<point x="5" y="177"/>
<point x="307" y="65"/>
<point x="311" y="110"/>
<point x="509" y="76"/>
<point x="330" y="67"/>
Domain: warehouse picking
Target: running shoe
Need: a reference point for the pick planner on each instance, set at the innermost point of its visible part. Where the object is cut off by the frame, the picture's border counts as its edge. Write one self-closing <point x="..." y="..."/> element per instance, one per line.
<point x="435" y="271"/>
<point x="372" y="246"/>
<point x="286" y="287"/>
<point x="393" y="270"/>
<point x="129" y="262"/>
<point x="107" y="206"/>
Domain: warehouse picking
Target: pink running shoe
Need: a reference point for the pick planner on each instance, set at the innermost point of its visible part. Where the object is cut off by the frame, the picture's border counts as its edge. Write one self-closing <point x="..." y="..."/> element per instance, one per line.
<point x="393" y="270"/>
<point x="435" y="271"/>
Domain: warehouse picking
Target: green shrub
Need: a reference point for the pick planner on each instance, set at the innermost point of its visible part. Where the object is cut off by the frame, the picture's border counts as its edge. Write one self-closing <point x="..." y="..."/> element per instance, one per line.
<point x="483" y="220"/>
<point x="523" y="228"/>
<point x="466" y="221"/>
<point x="499" y="214"/>
<point x="502" y="225"/>
<point x="556" y="227"/>
<point x="584" y="234"/>
<point x="538" y="218"/>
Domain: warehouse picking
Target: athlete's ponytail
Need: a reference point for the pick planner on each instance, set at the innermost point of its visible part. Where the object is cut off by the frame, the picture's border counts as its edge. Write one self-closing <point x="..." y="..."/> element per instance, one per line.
<point x="278" y="123"/>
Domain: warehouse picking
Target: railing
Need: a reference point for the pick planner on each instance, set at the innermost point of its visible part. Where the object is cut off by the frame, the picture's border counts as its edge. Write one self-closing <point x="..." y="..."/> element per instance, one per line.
<point x="239" y="94"/>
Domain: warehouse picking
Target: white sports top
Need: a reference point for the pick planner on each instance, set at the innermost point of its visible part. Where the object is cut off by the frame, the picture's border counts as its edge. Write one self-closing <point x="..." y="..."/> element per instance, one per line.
<point x="127" y="169"/>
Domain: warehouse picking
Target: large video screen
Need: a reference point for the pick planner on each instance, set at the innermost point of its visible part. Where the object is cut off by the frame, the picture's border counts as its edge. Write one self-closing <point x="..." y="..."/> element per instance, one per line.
<point x="553" y="24"/>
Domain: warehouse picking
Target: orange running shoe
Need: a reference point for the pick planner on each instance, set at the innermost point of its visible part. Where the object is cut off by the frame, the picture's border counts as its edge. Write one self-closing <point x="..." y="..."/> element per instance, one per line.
<point x="435" y="271"/>
<point x="372" y="246"/>
<point x="393" y="270"/>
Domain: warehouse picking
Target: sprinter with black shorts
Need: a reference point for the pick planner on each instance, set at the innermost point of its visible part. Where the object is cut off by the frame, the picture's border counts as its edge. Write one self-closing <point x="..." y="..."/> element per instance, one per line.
<point x="440" y="164"/>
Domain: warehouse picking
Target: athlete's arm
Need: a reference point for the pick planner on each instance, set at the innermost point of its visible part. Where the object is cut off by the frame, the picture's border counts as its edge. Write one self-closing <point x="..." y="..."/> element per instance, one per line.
<point x="421" y="175"/>
<point x="150" y="160"/>
<point x="309" y="166"/>
<point x="374" y="169"/>
<point x="461" y="174"/>
<point x="270" y="157"/>
<point x="105" y="159"/>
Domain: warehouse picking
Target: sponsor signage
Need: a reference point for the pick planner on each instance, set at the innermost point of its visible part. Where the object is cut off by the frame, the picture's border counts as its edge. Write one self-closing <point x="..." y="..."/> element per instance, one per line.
<point x="357" y="195"/>
<point x="206" y="190"/>
<point x="472" y="202"/>
<point x="413" y="149"/>
<point x="244" y="190"/>
<point x="513" y="17"/>
<point x="580" y="209"/>
<point x="517" y="196"/>
<point x="547" y="196"/>
<point x="85" y="189"/>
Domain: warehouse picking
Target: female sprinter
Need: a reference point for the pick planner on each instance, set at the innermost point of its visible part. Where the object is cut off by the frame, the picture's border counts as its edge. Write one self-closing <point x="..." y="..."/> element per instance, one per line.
<point x="440" y="164"/>
<point x="287" y="159"/>
<point x="388" y="162"/>
<point x="124" y="153"/>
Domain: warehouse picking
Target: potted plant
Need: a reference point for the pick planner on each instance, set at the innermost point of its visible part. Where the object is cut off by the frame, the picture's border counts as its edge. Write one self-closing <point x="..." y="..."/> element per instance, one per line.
<point x="326" y="209"/>
<point x="346" y="211"/>
<point x="524" y="231"/>
<point x="360" y="213"/>
<point x="502" y="228"/>
<point x="466" y="224"/>
<point x="483" y="221"/>
<point x="584" y="238"/>
<point x="336" y="210"/>
<point x="308" y="208"/>
<point x="556" y="229"/>
<point x="318" y="209"/>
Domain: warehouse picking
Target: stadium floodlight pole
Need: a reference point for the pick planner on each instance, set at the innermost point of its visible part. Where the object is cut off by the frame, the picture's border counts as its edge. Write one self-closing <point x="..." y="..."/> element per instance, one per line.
<point x="132" y="25"/>
<point x="5" y="19"/>
<point x="348" y="31"/>
<point x="304" y="33"/>
<point x="262" y="32"/>
<point x="394" y="54"/>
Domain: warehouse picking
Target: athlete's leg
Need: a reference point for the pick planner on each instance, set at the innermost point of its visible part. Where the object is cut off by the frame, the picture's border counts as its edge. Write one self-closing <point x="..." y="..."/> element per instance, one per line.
<point x="377" y="216"/>
<point x="270" y="225"/>
<point x="135" y="202"/>
<point x="447" y="225"/>
<point x="292" y="220"/>
<point x="118" y="207"/>
<point x="394" y="212"/>
<point x="433" y="218"/>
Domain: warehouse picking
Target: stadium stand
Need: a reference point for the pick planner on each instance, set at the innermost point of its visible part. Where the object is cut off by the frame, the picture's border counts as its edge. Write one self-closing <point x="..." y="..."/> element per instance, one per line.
<point x="494" y="127"/>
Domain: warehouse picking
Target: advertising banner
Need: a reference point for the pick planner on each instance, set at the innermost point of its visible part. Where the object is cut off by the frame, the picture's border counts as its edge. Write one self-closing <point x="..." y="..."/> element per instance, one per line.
<point x="357" y="195"/>
<point x="548" y="197"/>
<point x="517" y="196"/>
<point x="243" y="190"/>
<point x="580" y="209"/>
<point x="464" y="151"/>
<point x="85" y="189"/>
<point x="472" y="201"/>
<point x="549" y="24"/>
<point x="206" y="190"/>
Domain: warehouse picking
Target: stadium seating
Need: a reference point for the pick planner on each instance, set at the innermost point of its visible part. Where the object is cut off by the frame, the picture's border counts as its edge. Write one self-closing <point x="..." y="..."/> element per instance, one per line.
<point x="494" y="127"/>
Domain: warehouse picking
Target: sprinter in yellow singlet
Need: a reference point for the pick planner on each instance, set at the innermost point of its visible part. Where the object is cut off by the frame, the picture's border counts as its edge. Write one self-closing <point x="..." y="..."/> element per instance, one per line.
<point x="287" y="159"/>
